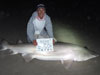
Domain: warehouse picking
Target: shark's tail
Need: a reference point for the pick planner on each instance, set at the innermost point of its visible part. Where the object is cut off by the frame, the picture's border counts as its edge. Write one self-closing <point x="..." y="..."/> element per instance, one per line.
<point x="3" y="44"/>
<point x="1" y="47"/>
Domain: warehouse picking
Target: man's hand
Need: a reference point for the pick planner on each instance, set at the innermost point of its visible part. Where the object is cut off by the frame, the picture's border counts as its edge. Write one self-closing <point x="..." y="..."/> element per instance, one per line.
<point x="53" y="41"/>
<point x="34" y="42"/>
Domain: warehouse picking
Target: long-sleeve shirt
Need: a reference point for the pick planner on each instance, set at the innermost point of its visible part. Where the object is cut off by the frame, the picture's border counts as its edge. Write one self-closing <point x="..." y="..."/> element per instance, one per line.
<point x="47" y="30"/>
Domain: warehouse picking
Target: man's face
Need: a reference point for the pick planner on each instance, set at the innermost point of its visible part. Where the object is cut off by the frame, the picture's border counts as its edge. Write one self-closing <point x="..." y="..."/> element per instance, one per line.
<point x="41" y="12"/>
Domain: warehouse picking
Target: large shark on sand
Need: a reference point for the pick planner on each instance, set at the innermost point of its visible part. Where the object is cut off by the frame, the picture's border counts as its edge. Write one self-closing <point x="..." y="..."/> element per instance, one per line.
<point x="62" y="51"/>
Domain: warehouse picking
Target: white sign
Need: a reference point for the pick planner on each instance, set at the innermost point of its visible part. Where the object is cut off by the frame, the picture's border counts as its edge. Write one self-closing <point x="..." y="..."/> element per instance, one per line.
<point x="45" y="44"/>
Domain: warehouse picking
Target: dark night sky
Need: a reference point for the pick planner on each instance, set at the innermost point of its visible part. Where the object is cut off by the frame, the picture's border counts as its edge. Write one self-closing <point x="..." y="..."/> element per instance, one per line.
<point x="61" y="5"/>
<point x="55" y="8"/>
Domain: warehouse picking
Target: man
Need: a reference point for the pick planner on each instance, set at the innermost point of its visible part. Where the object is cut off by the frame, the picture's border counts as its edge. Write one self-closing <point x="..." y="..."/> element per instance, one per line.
<point x="39" y="25"/>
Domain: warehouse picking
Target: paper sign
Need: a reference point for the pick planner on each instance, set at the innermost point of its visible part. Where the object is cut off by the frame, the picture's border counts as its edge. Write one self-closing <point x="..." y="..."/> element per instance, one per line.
<point x="44" y="44"/>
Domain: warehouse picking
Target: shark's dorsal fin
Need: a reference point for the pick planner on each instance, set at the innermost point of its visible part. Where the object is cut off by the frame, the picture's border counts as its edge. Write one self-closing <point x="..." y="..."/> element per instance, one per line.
<point x="19" y="42"/>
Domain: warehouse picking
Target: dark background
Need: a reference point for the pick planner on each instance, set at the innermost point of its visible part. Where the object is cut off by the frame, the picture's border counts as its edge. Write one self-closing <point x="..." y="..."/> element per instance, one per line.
<point x="79" y="9"/>
<point x="73" y="10"/>
<point x="80" y="14"/>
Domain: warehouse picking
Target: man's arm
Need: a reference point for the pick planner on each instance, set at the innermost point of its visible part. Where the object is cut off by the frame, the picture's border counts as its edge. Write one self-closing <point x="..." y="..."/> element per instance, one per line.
<point x="49" y="27"/>
<point x="30" y="27"/>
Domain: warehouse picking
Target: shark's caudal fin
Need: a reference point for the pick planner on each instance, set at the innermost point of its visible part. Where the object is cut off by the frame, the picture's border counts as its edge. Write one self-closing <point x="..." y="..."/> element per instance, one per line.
<point x="3" y="45"/>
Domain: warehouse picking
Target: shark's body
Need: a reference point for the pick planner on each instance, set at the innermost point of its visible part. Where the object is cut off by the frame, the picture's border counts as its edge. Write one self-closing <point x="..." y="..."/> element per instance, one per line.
<point x="61" y="52"/>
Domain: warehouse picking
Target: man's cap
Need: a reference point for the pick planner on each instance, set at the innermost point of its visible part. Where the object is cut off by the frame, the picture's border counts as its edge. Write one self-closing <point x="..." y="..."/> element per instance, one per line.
<point x="40" y="6"/>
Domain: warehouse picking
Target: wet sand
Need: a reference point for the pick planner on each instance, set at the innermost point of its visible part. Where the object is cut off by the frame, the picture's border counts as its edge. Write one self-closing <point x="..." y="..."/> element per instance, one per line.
<point x="15" y="65"/>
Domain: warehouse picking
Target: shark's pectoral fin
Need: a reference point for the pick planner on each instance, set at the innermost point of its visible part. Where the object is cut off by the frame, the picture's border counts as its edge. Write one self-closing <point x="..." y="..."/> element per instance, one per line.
<point x="68" y="64"/>
<point x="62" y="61"/>
<point x="27" y="57"/>
<point x="13" y="52"/>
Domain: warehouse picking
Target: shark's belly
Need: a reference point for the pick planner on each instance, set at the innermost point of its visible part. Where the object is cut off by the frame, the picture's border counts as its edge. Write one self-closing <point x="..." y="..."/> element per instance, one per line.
<point x="65" y="54"/>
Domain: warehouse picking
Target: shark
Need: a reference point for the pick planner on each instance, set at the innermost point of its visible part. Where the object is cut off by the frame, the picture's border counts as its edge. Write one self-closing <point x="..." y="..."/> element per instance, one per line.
<point x="62" y="52"/>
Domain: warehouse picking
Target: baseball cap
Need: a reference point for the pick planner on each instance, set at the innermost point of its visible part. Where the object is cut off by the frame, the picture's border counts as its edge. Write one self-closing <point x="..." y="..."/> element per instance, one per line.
<point x="40" y="6"/>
